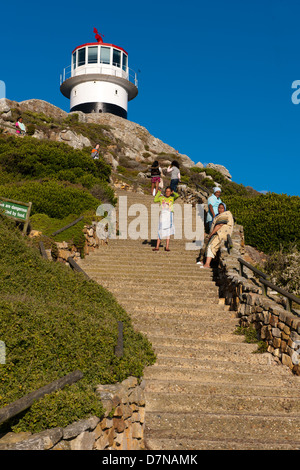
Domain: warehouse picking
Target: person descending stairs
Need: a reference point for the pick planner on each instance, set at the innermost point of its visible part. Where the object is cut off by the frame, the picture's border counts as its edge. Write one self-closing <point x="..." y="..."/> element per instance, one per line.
<point x="207" y="390"/>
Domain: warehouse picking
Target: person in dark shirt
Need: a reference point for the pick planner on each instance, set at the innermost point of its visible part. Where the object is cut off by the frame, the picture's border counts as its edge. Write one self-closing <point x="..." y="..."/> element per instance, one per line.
<point x="155" y="172"/>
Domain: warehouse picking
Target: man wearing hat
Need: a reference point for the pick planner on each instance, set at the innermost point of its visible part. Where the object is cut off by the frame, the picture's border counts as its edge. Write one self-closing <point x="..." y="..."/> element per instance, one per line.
<point x="213" y="203"/>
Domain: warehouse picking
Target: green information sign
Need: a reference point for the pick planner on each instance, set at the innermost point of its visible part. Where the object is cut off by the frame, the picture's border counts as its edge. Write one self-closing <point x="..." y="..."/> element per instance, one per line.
<point x="16" y="210"/>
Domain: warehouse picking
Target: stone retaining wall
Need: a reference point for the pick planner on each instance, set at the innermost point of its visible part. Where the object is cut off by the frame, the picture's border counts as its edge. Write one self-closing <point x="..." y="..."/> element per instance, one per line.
<point x="121" y="428"/>
<point x="61" y="251"/>
<point x="276" y="326"/>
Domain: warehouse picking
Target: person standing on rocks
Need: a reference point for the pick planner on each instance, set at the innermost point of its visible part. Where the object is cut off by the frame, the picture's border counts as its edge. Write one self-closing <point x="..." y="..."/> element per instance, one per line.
<point x="20" y="127"/>
<point x="213" y="204"/>
<point x="166" y="220"/>
<point x="95" y="152"/>
<point x="175" y="175"/>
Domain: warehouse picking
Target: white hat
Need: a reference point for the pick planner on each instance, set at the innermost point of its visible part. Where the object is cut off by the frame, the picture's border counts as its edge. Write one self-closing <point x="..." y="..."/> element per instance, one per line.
<point x="216" y="189"/>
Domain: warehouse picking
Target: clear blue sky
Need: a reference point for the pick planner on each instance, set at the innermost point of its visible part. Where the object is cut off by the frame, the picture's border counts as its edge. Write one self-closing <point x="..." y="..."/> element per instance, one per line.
<point x="215" y="78"/>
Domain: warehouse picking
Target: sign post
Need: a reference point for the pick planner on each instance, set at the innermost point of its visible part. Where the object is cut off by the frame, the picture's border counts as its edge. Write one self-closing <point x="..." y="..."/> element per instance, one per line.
<point x="19" y="211"/>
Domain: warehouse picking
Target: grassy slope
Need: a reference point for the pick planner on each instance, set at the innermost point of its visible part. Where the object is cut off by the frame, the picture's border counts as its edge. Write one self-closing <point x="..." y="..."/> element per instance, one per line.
<point x="53" y="321"/>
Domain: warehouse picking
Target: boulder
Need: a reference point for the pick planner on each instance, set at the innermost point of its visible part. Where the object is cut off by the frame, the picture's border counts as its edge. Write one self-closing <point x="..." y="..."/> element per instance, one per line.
<point x="221" y="169"/>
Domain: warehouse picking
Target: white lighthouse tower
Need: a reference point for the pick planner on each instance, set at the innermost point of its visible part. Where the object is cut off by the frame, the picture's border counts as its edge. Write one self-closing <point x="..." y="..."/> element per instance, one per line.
<point x="99" y="79"/>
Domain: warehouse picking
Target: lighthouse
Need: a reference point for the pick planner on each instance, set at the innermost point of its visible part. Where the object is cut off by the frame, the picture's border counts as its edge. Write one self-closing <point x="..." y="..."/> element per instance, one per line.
<point x="99" y="79"/>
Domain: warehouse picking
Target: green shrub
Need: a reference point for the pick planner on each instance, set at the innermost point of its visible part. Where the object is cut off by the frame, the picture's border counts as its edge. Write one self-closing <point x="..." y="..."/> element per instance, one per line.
<point x="270" y="221"/>
<point x="284" y="269"/>
<point x="32" y="158"/>
<point x="52" y="198"/>
<point x="54" y="321"/>
<point x="208" y="183"/>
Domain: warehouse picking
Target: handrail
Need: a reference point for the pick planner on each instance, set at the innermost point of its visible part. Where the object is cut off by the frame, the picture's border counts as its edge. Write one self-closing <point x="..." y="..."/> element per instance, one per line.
<point x="265" y="283"/>
<point x="202" y="188"/>
<point x="25" y="402"/>
<point x="67" y="226"/>
<point x="291" y="297"/>
<point x="76" y="267"/>
<point x="249" y="266"/>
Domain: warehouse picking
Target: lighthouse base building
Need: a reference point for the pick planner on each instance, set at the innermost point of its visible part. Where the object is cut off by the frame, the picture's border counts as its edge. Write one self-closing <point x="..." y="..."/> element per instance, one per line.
<point x="99" y="79"/>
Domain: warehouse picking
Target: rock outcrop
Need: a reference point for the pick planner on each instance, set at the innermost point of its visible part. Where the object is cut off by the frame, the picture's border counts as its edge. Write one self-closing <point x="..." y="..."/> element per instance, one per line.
<point x="135" y="141"/>
<point x="220" y="169"/>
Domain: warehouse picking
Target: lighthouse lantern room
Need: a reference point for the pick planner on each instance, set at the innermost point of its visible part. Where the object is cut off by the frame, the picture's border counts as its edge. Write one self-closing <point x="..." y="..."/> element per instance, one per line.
<point x="99" y="79"/>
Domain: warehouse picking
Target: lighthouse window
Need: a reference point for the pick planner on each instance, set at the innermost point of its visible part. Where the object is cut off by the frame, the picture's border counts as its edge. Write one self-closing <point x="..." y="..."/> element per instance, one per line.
<point x="117" y="58"/>
<point x="74" y="60"/>
<point x="125" y="62"/>
<point x="105" y="55"/>
<point x="92" y="55"/>
<point x="81" y="57"/>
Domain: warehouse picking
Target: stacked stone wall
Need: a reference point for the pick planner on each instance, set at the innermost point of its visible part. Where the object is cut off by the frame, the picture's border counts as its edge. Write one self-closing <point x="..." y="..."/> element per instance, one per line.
<point x="279" y="328"/>
<point x="121" y="428"/>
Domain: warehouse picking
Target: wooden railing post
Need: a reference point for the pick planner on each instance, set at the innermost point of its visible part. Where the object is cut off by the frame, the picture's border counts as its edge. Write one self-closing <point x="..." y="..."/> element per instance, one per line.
<point x="241" y="271"/>
<point x="119" y="349"/>
<point x="264" y="289"/>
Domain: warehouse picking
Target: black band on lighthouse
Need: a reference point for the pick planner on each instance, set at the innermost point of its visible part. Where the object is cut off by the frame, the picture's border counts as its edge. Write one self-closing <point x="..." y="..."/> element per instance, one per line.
<point x="100" y="108"/>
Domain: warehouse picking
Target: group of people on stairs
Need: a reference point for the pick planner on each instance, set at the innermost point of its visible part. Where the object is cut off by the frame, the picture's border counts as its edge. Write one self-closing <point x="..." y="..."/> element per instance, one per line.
<point x="219" y="220"/>
<point x="156" y="174"/>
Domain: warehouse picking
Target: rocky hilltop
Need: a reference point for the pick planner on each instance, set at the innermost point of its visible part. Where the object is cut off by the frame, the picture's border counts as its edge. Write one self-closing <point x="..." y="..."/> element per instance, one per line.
<point x="128" y="139"/>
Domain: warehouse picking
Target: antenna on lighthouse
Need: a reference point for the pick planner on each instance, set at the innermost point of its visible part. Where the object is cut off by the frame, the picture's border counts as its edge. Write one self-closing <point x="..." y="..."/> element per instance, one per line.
<point x="98" y="36"/>
<point x="99" y="79"/>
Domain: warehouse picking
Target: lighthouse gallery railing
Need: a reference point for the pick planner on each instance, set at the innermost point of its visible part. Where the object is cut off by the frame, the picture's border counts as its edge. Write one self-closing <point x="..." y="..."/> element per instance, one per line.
<point x="129" y="74"/>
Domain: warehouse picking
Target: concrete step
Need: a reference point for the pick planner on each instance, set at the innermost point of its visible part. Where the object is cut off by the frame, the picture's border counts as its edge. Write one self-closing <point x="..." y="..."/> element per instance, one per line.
<point x="177" y="253"/>
<point x="201" y="330"/>
<point x="166" y="295"/>
<point x="260" y="431"/>
<point x="192" y="365"/>
<point x="205" y="351"/>
<point x="217" y="376"/>
<point x="161" y="258"/>
<point x="279" y="391"/>
<point x="195" y="288"/>
<point x="223" y="403"/>
<point x="147" y="244"/>
<point x="195" y="335"/>
<point x="149" y="274"/>
<point x="194" y="315"/>
<point x="147" y="271"/>
<point x="183" y="443"/>
<point x="181" y="324"/>
<point x="147" y="305"/>
<point x="158" y="309"/>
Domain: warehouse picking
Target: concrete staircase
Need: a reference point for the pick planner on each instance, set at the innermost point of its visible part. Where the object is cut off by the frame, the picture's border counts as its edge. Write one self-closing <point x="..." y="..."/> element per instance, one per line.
<point x="207" y="389"/>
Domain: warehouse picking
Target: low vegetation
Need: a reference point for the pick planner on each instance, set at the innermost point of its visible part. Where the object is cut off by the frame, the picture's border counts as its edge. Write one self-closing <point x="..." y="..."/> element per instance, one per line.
<point x="250" y="335"/>
<point x="48" y="336"/>
<point x="271" y="221"/>
<point x="283" y="268"/>
<point x="61" y="182"/>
